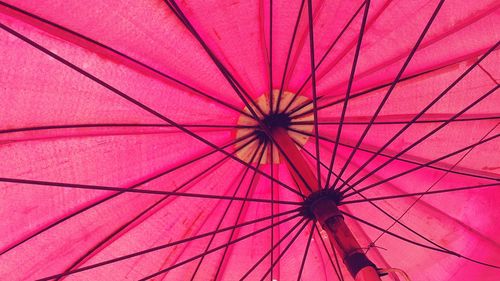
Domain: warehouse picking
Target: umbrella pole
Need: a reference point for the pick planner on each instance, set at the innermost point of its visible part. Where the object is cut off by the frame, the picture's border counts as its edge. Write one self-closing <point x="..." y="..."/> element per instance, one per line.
<point x="325" y="210"/>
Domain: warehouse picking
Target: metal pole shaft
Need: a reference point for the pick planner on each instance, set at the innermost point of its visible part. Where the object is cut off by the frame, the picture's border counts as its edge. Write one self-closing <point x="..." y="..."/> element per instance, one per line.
<point x="327" y="213"/>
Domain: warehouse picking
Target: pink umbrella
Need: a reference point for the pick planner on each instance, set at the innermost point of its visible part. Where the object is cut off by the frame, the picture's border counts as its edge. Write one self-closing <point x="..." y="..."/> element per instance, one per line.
<point x="257" y="140"/>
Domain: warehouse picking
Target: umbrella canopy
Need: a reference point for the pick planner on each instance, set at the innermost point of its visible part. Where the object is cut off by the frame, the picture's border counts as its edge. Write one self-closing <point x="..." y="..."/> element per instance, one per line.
<point x="174" y="140"/>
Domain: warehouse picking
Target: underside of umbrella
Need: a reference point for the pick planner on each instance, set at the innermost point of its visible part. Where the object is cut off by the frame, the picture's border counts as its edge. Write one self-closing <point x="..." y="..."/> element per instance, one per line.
<point x="256" y="140"/>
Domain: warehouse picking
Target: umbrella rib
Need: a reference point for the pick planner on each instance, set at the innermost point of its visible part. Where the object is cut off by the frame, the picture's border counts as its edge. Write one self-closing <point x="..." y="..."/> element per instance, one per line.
<point x="289" y="54"/>
<point x="422" y="112"/>
<point x="330" y="48"/>
<point x="400" y="122"/>
<point x="302" y="105"/>
<point x="124" y="226"/>
<point x="312" y="156"/>
<point x="463" y="188"/>
<point x="399" y="236"/>
<point x="348" y="91"/>
<point x="420" y="166"/>
<point x="306" y="251"/>
<point x="286" y="248"/>
<point x="314" y="96"/>
<point x="143" y="191"/>
<point x="399" y="159"/>
<point x="428" y="189"/>
<point x="273" y="247"/>
<point x="240" y="212"/>
<point x="481" y="263"/>
<point x="395" y="220"/>
<point x="270" y="56"/>
<point x="338" y="272"/>
<point x="292" y="165"/>
<point x="182" y="241"/>
<point x="337" y="258"/>
<point x="225" y="72"/>
<point x="449" y="252"/>
<point x="393" y="85"/>
<point x="136" y="102"/>
<point x="225" y="212"/>
<point x="488" y="74"/>
<point x="127" y="57"/>
<point x="112" y="125"/>
<point x="424" y="137"/>
<point x="186" y="163"/>
<point x="213" y="250"/>
<point x="344" y="29"/>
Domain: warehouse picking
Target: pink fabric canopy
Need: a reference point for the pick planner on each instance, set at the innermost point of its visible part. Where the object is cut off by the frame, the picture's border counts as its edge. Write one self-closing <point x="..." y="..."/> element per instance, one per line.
<point x="132" y="145"/>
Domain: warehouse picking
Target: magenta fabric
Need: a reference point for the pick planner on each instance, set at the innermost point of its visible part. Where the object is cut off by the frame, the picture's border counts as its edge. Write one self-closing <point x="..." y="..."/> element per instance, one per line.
<point x="59" y="126"/>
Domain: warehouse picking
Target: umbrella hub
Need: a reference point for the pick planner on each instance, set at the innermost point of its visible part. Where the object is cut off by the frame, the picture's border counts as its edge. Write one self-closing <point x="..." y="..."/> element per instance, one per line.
<point x="287" y="111"/>
<point x="277" y="120"/>
<point x="273" y="121"/>
<point x="311" y="201"/>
